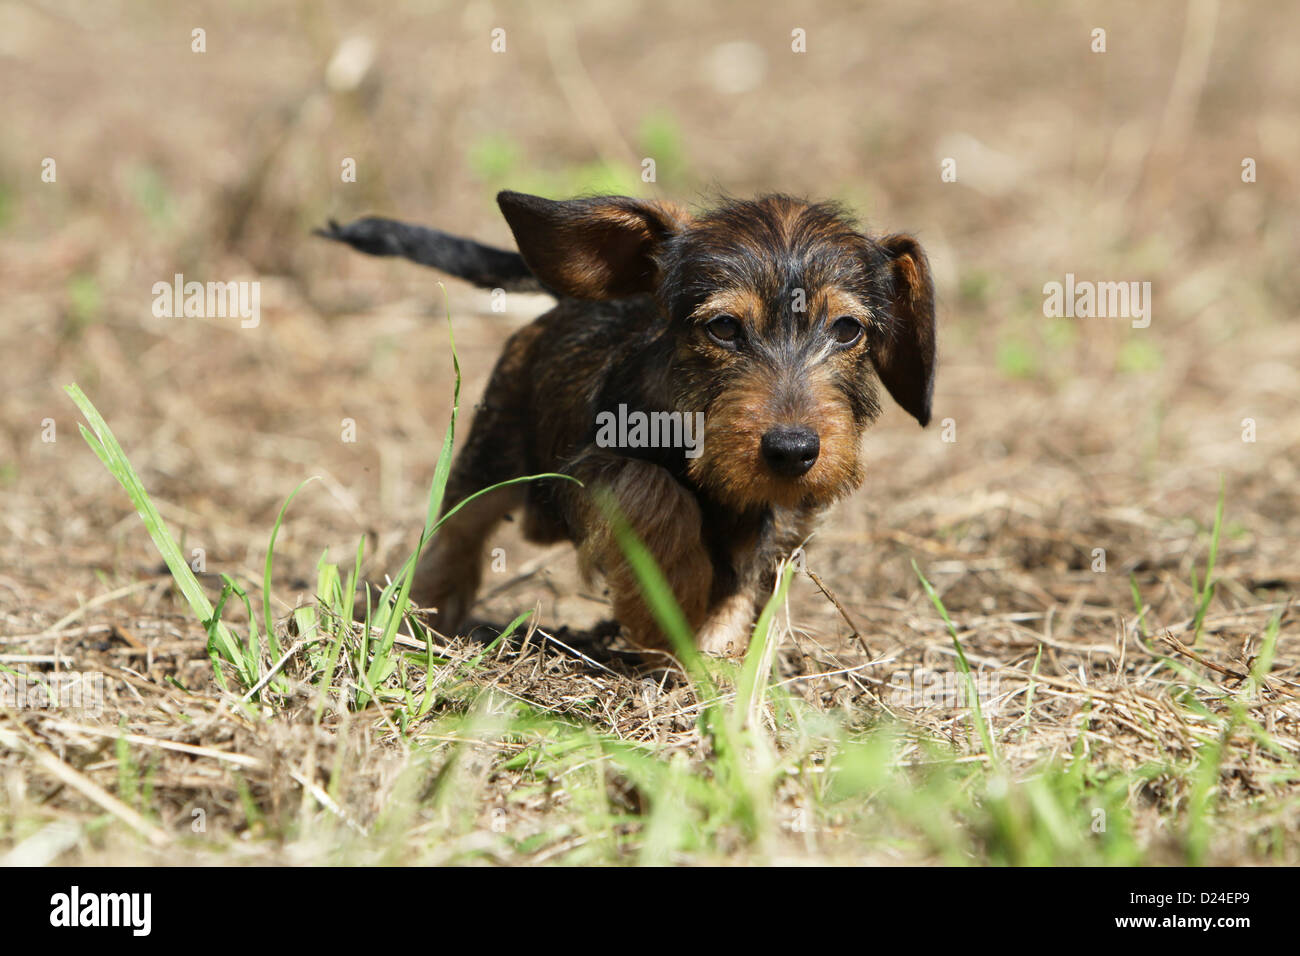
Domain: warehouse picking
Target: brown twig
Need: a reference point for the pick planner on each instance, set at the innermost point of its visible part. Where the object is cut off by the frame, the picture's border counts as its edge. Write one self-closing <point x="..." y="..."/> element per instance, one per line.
<point x="840" y="607"/>
<point x="1186" y="651"/>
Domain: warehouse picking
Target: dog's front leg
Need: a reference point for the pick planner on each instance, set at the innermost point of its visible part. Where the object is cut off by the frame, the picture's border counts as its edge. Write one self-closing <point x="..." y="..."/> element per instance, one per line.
<point x="662" y="513"/>
<point x="729" y="623"/>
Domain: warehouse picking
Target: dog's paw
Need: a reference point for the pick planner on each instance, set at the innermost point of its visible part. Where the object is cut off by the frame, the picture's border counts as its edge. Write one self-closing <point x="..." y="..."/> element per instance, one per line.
<point x="726" y="630"/>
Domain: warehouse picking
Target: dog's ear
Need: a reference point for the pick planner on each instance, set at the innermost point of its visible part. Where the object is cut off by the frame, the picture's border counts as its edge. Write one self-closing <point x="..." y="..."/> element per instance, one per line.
<point x="601" y="248"/>
<point x="904" y="353"/>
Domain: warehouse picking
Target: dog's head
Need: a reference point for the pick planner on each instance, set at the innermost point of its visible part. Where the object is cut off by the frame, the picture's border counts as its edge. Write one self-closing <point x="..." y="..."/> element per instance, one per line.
<point x="782" y="314"/>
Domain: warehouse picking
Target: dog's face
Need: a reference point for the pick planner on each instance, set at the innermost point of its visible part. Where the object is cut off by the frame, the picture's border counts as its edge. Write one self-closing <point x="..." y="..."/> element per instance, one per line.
<point x="782" y="317"/>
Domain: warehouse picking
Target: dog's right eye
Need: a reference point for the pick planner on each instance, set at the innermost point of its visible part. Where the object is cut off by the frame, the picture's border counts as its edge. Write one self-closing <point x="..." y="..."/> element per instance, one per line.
<point x="724" y="329"/>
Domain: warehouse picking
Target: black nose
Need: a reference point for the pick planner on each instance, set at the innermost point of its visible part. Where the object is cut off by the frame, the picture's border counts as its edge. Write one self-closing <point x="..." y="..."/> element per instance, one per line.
<point x="791" y="451"/>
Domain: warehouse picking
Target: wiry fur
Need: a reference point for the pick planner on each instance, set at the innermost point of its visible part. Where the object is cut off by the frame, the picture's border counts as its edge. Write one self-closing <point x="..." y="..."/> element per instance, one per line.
<point x="638" y="284"/>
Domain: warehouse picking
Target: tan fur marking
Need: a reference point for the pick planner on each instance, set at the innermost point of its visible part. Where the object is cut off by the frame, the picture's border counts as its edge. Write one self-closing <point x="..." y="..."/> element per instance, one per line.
<point x="666" y="517"/>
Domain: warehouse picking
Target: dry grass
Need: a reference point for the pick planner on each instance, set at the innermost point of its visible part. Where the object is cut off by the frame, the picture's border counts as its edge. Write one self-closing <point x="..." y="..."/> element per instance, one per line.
<point x="1071" y="436"/>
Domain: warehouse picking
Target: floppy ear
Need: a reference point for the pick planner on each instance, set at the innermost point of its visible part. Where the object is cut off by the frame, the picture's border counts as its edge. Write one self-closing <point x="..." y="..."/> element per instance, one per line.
<point x="601" y="248"/>
<point x="904" y="355"/>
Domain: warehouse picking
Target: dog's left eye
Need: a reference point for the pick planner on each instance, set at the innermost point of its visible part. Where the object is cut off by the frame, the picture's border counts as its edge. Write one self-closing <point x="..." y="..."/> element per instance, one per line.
<point x="846" y="330"/>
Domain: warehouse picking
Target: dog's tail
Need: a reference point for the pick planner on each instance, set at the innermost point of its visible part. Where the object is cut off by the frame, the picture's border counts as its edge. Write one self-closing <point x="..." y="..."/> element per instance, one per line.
<point x="485" y="266"/>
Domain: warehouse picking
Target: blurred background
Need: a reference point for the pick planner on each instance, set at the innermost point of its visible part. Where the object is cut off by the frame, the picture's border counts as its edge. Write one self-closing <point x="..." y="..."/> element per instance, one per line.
<point x="1063" y="435"/>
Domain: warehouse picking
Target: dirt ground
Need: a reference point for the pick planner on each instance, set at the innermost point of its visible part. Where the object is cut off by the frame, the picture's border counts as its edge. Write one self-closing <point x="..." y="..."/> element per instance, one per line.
<point x="1071" y="460"/>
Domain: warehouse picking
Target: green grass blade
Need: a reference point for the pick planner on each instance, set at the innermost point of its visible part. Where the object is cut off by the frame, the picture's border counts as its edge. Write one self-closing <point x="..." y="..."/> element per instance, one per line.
<point x="101" y="440"/>
<point x="1207" y="594"/>
<point x="267" y="621"/>
<point x="753" y="675"/>
<point x="395" y="598"/>
<point x="986" y="736"/>
<point x="442" y="469"/>
<point x="1137" y="605"/>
